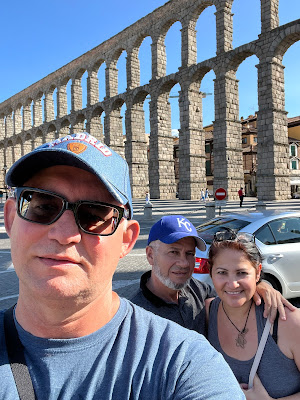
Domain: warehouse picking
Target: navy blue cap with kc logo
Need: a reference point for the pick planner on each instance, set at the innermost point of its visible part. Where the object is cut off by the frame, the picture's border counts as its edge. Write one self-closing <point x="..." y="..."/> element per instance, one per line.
<point x="171" y="228"/>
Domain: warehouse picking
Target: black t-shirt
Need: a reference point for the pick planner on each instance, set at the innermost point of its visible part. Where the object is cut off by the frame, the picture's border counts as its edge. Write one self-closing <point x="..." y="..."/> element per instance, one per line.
<point x="187" y="312"/>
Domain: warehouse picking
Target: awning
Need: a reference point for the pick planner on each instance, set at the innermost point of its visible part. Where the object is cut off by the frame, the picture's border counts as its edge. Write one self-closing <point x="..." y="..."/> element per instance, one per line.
<point x="295" y="181"/>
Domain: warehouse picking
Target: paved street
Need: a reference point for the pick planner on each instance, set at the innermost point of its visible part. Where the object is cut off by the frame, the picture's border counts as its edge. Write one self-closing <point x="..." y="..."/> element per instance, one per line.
<point x="130" y="268"/>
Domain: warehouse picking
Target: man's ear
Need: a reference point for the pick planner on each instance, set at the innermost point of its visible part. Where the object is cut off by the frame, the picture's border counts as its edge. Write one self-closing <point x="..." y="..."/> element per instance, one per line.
<point x="9" y="214"/>
<point x="149" y="254"/>
<point x="130" y="235"/>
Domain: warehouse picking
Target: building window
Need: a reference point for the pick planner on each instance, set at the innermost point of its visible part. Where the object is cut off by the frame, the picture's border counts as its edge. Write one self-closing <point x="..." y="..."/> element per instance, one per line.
<point x="207" y="148"/>
<point x="244" y="140"/>
<point x="255" y="139"/>
<point x="294" y="164"/>
<point x="208" y="167"/>
<point x="293" y="150"/>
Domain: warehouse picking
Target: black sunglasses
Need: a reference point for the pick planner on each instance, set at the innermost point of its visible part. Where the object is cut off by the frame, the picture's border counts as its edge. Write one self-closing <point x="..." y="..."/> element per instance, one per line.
<point x="44" y="207"/>
<point x="231" y="235"/>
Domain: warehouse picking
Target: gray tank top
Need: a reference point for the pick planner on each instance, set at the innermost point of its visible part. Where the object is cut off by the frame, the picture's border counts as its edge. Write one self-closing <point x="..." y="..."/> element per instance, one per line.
<point x="278" y="373"/>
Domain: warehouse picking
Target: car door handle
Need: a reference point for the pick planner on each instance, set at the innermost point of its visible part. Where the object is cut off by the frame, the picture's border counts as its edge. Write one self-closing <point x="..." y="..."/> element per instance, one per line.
<point x="274" y="257"/>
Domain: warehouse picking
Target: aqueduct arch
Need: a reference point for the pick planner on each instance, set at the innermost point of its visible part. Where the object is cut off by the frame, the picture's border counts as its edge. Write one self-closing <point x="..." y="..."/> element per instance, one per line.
<point x="29" y="118"/>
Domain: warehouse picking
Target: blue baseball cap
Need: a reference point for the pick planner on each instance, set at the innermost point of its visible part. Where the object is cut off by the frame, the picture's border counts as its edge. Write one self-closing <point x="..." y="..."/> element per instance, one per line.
<point x="79" y="150"/>
<point x="171" y="228"/>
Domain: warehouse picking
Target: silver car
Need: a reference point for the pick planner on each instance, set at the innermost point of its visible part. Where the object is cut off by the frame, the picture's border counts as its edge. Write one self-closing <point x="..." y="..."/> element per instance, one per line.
<point x="277" y="235"/>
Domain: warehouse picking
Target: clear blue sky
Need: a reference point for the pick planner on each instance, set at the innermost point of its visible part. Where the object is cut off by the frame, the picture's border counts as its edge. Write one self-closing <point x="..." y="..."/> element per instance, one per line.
<point x="40" y="36"/>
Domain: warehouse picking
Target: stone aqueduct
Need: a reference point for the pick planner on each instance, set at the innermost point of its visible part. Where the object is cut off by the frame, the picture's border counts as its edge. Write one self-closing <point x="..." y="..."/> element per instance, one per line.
<point x="23" y="125"/>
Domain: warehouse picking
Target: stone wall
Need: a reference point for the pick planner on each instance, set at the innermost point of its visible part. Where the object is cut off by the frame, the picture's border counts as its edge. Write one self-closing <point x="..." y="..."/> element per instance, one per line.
<point x="24" y="125"/>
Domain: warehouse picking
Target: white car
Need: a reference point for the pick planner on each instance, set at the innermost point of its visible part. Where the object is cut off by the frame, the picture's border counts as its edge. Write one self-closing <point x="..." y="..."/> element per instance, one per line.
<point x="277" y="235"/>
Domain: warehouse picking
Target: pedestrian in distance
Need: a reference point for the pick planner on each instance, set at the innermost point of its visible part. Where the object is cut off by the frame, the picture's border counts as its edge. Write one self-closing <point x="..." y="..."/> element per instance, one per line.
<point x="169" y="290"/>
<point x="69" y="223"/>
<point x="241" y="196"/>
<point x="206" y="195"/>
<point x="236" y="325"/>
<point x="202" y="195"/>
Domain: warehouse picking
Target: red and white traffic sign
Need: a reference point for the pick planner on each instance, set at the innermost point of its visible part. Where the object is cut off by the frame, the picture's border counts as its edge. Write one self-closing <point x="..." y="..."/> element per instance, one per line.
<point x="220" y="194"/>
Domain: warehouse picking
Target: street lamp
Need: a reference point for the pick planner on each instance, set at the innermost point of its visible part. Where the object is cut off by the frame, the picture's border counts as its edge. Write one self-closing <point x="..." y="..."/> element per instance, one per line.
<point x="4" y="176"/>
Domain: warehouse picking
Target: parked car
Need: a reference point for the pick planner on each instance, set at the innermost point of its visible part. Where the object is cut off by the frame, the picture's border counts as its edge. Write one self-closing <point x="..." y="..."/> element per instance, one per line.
<point x="277" y="235"/>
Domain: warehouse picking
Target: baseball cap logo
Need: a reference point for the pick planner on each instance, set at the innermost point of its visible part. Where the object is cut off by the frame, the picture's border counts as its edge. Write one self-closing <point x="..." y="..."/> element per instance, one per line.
<point x="183" y="222"/>
<point x="76" y="147"/>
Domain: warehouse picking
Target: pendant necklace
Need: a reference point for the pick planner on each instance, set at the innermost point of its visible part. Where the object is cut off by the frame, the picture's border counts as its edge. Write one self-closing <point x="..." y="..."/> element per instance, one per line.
<point x="240" y="341"/>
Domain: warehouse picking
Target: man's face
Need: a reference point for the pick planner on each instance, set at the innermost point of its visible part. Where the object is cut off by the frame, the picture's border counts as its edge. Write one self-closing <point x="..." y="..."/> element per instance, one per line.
<point x="59" y="261"/>
<point x="173" y="264"/>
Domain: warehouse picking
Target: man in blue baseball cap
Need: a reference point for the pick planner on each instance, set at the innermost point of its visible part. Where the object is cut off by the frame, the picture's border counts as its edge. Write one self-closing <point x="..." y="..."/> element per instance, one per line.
<point x="69" y="335"/>
<point x="170" y="291"/>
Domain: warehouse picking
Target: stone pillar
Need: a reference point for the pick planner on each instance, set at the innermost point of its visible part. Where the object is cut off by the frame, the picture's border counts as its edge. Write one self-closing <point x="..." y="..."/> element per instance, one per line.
<point x="228" y="156"/>
<point x="62" y="101"/>
<point x="269" y="15"/>
<point x="188" y="45"/>
<point x="37" y="112"/>
<point x="192" y="173"/>
<point x="2" y="127"/>
<point x="136" y="150"/>
<point x="111" y="80"/>
<point x="17" y="121"/>
<point x="8" y="125"/>
<point x="133" y="69"/>
<point x="27" y="121"/>
<point x="113" y="131"/>
<point x="76" y="95"/>
<point x="10" y="155"/>
<point x="161" y="160"/>
<point x="28" y="144"/>
<point x="273" y="180"/>
<point x="159" y="59"/>
<point x="224" y="28"/>
<point x="92" y="88"/>
<point x="18" y="149"/>
<point x="95" y="128"/>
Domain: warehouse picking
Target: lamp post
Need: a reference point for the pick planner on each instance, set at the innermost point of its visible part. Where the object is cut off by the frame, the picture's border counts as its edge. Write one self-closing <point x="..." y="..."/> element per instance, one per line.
<point x="4" y="176"/>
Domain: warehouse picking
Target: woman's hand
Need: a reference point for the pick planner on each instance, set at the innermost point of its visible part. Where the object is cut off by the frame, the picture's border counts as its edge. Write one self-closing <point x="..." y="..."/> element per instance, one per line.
<point x="257" y="392"/>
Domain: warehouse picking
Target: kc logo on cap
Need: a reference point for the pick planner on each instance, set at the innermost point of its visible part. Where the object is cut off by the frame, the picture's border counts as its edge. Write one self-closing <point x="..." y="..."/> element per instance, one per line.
<point x="186" y="223"/>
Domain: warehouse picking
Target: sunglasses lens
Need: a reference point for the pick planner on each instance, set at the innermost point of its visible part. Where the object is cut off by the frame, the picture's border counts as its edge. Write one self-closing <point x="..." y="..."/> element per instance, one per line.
<point x="98" y="219"/>
<point x="39" y="207"/>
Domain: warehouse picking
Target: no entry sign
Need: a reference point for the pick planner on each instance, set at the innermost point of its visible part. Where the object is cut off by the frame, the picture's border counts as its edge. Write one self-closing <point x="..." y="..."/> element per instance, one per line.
<point x="220" y="194"/>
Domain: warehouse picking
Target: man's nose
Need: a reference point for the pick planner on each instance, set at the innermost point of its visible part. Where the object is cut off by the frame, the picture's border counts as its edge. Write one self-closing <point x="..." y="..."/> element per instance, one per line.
<point x="65" y="230"/>
<point x="184" y="261"/>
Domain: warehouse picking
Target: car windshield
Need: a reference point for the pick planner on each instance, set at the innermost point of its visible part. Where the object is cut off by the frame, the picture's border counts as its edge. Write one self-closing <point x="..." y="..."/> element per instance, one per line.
<point x="207" y="230"/>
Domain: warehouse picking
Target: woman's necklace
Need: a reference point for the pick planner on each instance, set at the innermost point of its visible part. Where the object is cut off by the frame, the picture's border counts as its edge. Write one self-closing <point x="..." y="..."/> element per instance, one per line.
<point x="240" y="341"/>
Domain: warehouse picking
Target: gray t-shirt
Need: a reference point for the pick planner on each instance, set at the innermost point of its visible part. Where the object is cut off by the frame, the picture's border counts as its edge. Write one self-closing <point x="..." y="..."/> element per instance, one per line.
<point x="136" y="355"/>
<point x="190" y="303"/>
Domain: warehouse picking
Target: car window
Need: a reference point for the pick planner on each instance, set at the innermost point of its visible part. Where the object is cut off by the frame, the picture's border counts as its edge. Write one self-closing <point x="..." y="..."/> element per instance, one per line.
<point x="265" y="235"/>
<point x="286" y="230"/>
<point x="207" y="230"/>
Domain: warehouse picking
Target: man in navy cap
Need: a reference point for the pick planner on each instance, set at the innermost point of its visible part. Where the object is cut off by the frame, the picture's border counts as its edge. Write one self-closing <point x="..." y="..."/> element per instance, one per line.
<point x="170" y="291"/>
<point x="70" y="336"/>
